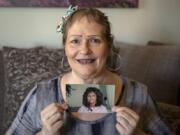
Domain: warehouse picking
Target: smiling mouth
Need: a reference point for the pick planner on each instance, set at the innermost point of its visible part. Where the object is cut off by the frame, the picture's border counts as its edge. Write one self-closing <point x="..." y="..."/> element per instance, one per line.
<point x="86" y="61"/>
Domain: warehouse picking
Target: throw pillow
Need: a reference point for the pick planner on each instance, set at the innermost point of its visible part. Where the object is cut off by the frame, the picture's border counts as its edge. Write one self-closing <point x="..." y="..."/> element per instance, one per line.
<point x="24" y="67"/>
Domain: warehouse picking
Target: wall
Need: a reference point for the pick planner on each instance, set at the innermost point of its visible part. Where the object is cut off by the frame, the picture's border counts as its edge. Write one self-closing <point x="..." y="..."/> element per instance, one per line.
<point x="154" y="20"/>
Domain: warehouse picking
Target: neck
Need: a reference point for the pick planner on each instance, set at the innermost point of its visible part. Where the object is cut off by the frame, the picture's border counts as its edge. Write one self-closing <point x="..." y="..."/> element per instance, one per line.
<point x="98" y="79"/>
<point x="92" y="104"/>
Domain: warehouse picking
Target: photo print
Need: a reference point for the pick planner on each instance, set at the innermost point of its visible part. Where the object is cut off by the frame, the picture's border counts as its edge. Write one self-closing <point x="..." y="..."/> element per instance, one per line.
<point x="89" y="110"/>
<point x="90" y="98"/>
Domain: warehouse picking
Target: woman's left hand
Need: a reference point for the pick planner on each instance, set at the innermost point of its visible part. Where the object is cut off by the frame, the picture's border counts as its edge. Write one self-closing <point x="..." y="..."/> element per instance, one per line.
<point x="127" y="120"/>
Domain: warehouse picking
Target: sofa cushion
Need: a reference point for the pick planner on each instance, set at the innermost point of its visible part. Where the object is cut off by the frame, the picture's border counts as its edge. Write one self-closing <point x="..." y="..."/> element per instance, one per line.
<point x="156" y="66"/>
<point x="171" y="113"/>
<point x="24" y="67"/>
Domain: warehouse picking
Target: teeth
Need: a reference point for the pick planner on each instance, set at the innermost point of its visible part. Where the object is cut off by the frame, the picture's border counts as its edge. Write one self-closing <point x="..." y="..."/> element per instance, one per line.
<point x="86" y="61"/>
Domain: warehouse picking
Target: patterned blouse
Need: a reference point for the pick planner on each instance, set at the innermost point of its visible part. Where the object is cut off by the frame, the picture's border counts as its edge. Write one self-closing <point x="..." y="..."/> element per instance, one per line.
<point x="134" y="95"/>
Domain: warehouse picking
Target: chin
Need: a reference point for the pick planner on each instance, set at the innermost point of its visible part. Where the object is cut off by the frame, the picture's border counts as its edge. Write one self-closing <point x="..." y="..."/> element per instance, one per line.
<point x="85" y="72"/>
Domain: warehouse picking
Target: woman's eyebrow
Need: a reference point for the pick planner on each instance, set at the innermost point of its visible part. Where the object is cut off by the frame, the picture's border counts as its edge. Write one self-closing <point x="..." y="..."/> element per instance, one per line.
<point x="88" y="36"/>
<point x="75" y="36"/>
<point x="94" y="36"/>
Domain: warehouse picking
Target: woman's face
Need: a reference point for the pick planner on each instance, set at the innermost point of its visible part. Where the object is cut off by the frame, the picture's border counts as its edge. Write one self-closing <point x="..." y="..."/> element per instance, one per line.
<point x="86" y="49"/>
<point x="92" y="99"/>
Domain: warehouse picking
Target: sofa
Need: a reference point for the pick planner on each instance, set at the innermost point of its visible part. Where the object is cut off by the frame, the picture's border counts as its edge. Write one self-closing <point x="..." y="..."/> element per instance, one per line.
<point x="156" y="66"/>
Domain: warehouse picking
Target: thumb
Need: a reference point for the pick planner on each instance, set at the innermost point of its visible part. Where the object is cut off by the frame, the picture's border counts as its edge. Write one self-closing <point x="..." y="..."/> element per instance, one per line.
<point x="62" y="106"/>
<point x="114" y="109"/>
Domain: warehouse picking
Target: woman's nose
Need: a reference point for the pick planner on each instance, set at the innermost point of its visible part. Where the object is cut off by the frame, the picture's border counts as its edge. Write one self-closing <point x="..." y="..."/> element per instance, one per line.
<point x="85" y="48"/>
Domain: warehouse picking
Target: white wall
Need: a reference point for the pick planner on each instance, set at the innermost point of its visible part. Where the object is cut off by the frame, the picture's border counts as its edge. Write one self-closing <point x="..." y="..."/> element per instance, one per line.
<point x="154" y="20"/>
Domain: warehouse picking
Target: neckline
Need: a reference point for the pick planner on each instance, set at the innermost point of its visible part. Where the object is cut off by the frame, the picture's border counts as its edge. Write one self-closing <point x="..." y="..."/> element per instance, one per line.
<point x="113" y="114"/>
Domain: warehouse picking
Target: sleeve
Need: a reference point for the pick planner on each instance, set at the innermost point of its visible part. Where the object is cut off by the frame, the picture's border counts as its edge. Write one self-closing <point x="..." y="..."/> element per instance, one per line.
<point x="153" y="121"/>
<point x="24" y="123"/>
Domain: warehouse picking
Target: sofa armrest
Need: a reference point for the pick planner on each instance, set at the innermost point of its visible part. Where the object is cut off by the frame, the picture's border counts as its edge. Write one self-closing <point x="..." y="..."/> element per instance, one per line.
<point x="172" y="114"/>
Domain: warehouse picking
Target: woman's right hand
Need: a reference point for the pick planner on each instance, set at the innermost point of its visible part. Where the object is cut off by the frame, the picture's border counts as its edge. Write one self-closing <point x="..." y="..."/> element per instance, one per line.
<point x="52" y="118"/>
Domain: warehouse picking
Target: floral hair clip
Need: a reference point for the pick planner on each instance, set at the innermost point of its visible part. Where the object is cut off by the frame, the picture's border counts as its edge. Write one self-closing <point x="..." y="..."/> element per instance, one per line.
<point x="70" y="10"/>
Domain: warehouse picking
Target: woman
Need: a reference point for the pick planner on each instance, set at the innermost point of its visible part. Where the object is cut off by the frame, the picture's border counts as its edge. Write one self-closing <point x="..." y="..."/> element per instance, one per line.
<point x="88" y="42"/>
<point x="92" y="101"/>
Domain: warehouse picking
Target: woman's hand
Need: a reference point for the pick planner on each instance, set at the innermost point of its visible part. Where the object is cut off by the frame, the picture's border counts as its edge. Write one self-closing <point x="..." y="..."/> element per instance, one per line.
<point x="127" y="120"/>
<point x="52" y="118"/>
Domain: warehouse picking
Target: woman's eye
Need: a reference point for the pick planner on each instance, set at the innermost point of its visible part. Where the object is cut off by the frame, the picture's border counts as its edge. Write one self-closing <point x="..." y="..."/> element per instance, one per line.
<point x="94" y="41"/>
<point x="75" y="41"/>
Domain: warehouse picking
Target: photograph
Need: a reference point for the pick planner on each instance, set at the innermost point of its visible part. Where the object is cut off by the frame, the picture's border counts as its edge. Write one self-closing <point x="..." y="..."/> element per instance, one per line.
<point x="90" y="98"/>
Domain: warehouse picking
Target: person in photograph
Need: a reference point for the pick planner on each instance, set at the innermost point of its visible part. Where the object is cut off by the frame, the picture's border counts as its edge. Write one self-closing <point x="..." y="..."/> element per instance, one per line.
<point x="93" y="101"/>
<point x="88" y="43"/>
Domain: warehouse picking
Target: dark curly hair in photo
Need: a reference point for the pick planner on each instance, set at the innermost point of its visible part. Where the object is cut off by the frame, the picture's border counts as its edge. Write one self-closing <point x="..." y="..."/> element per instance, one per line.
<point x="99" y="95"/>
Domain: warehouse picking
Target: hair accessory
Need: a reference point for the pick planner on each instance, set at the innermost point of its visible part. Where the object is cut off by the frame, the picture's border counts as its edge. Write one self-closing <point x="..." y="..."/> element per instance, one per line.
<point x="70" y="10"/>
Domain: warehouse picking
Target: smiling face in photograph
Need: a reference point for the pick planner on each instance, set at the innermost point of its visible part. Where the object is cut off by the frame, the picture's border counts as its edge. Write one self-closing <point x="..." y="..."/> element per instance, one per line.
<point x="91" y="98"/>
<point x="85" y="48"/>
